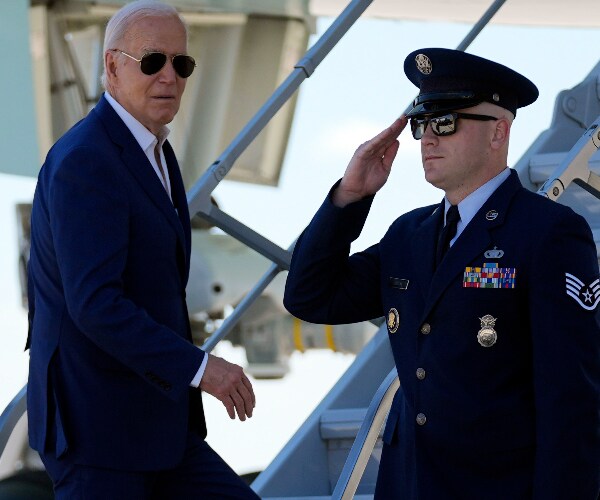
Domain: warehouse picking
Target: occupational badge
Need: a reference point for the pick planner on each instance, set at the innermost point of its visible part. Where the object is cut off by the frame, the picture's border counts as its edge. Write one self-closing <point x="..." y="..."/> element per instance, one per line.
<point x="487" y="336"/>
<point x="494" y="254"/>
<point x="423" y="64"/>
<point x="491" y="215"/>
<point x="393" y="320"/>
<point x="587" y="296"/>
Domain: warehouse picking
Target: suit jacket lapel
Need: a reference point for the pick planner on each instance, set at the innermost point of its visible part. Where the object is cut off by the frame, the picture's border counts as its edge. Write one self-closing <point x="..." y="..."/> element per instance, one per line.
<point x="179" y="200"/>
<point x="137" y="163"/>
<point x="474" y="240"/>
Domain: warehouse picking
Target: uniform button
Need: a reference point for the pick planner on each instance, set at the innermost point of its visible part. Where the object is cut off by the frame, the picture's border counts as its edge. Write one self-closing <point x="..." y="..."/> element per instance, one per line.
<point x="425" y="328"/>
<point x="420" y="373"/>
<point x="421" y="419"/>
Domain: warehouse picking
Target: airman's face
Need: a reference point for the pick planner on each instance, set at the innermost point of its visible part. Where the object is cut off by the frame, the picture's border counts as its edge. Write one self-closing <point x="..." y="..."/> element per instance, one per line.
<point x="460" y="163"/>
<point x="152" y="99"/>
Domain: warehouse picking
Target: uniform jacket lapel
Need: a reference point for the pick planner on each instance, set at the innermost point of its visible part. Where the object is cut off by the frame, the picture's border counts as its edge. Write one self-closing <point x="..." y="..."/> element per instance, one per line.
<point x="423" y="246"/>
<point x="476" y="238"/>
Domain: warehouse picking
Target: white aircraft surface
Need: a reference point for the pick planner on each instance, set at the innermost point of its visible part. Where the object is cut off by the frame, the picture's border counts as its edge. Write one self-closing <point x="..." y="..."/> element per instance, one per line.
<point x="276" y="185"/>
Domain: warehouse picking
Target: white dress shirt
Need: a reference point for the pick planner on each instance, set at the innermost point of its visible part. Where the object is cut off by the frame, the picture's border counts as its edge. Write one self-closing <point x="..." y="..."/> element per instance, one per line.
<point x="146" y="139"/>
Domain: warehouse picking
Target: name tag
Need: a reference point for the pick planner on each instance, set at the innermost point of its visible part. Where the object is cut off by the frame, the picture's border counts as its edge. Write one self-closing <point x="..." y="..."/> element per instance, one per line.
<point x="400" y="283"/>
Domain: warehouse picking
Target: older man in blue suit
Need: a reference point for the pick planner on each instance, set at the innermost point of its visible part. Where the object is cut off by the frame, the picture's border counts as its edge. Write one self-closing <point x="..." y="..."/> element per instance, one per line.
<point x="490" y="300"/>
<point x="114" y="393"/>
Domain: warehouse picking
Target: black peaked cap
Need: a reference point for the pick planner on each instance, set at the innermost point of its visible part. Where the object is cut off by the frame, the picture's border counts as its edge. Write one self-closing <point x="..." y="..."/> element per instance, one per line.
<point x="451" y="79"/>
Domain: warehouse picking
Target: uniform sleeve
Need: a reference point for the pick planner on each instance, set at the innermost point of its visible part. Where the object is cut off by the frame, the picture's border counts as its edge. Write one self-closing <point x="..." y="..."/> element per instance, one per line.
<point x="325" y="284"/>
<point x="564" y="296"/>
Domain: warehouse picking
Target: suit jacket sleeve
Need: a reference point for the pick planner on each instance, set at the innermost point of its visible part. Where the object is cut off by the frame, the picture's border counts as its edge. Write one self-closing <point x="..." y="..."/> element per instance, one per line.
<point x="90" y="226"/>
<point x="566" y="362"/>
<point x="325" y="284"/>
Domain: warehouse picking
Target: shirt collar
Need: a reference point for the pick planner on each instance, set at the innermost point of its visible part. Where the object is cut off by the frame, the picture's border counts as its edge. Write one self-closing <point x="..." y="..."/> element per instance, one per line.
<point x="142" y="135"/>
<point x="468" y="207"/>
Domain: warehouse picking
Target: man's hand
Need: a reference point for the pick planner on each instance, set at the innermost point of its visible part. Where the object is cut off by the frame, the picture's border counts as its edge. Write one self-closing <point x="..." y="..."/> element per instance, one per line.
<point x="370" y="166"/>
<point x="228" y="383"/>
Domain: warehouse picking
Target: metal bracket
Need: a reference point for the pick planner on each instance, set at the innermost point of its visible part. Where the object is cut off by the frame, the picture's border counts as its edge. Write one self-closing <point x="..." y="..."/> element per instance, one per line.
<point x="575" y="167"/>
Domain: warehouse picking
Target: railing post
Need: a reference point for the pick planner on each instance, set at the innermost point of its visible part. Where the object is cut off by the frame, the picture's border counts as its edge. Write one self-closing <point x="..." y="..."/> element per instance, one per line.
<point x="363" y="445"/>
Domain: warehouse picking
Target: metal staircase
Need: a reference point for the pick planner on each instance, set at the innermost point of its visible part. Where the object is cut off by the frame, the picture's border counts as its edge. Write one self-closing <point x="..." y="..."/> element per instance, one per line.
<point x="311" y="462"/>
<point x="564" y="160"/>
<point x="336" y="452"/>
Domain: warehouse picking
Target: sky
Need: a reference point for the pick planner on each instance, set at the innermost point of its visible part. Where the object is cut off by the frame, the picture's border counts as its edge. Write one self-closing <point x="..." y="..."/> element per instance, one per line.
<point x="359" y="89"/>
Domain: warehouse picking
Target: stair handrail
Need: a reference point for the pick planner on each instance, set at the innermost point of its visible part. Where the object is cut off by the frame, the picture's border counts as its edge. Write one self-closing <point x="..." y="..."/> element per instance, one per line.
<point x="199" y="196"/>
<point x="575" y="167"/>
<point x="365" y="441"/>
<point x="11" y="416"/>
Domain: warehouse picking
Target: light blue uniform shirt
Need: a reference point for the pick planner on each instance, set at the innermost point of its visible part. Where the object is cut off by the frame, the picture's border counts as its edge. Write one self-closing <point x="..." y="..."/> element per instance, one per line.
<point x="472" y="203"/>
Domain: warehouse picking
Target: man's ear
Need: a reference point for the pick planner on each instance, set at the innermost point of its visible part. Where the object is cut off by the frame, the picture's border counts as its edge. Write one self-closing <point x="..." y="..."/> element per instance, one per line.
<point x="501" y="133"/>
<point x="110" y="63"/>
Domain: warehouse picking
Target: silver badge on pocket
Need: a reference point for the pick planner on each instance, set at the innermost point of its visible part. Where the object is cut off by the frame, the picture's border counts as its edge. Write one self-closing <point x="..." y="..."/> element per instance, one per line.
<point x="487" y="336"/>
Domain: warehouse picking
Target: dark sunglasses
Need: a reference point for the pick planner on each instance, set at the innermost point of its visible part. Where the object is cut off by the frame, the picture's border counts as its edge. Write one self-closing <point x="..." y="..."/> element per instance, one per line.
<point x="442" y="125"/>
<point x="152" y="62"/>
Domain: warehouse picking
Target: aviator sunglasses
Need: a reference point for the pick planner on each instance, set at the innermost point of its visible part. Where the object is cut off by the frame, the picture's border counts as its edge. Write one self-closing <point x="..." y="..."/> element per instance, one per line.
<point x="442" y="125"/>
<point x="152" y="62"/>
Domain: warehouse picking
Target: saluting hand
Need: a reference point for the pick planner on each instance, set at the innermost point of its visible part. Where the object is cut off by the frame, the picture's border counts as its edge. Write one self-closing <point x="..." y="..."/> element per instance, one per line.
<point x="370" y="166"/>
<point x="228" y="383"/>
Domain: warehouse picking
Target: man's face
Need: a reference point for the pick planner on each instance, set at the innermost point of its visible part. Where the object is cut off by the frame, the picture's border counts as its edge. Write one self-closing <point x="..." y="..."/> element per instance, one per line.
<point x="459" y="163"/>
<point x="152" y="99"/>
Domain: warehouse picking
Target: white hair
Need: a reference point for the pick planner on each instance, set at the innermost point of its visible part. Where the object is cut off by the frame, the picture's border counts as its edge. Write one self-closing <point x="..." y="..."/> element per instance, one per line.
<point x="119" y="24"/>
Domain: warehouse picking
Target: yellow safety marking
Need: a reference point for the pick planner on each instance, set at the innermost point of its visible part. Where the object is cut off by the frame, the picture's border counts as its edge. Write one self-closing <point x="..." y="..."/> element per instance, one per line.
<point x="297" y="330"/>
<point x="329" y="340"/>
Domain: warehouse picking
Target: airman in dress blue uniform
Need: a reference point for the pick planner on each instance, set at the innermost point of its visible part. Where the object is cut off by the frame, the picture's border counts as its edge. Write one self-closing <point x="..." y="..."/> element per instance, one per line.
<point x="490" y="299"/>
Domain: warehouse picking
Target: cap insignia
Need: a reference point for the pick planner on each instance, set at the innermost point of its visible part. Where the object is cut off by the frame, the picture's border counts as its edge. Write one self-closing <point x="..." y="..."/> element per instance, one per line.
<point x="496" y="97"/>
<point x="423" y="64"/>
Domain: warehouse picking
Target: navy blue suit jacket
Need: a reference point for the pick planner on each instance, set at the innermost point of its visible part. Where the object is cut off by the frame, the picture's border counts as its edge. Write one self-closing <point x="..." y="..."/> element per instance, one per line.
<point x="111" y="351"/>
<point x="519" y="419"/>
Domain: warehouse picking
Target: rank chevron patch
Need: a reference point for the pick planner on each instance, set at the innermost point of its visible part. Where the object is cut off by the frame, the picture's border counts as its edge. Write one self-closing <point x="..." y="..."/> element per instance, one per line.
<point x="587" y="296"/>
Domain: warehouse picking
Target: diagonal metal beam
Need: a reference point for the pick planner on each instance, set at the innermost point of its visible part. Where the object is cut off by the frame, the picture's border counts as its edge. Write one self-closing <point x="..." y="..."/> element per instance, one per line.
<point x="479" y="25"/>
<point x="484" y="20"/>
<point x="249" y="237"/>
<point x="199" y="194"/>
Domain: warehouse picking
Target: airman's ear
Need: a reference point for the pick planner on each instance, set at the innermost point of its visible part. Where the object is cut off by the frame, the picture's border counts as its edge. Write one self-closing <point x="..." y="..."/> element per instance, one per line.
<point x="501" y="133"/>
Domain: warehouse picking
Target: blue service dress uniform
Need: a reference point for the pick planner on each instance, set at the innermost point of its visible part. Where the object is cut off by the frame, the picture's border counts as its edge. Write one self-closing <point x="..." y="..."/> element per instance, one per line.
<point x="497" y="349"/>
